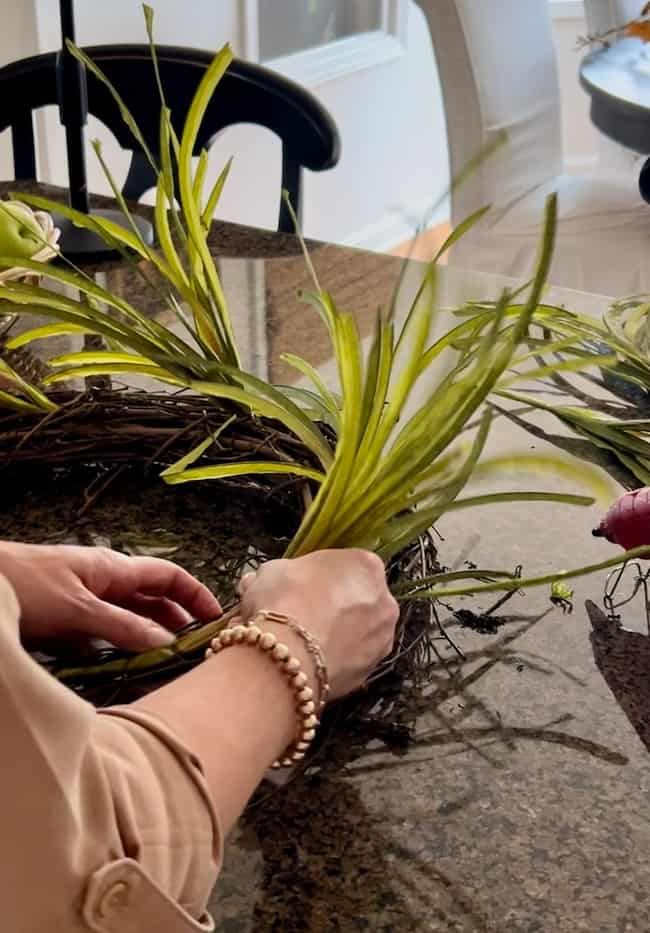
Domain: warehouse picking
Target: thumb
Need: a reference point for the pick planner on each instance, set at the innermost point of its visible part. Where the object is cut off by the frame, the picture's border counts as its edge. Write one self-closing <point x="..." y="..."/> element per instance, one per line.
<point x="125" y="629"/>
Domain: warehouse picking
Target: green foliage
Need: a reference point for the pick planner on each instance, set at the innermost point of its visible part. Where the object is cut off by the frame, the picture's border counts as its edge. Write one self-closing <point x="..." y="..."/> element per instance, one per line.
<point x="184" y="272"/>
<point x="610" y="411"/>
<point x="19" y="395"/>
<point x="392" y="474"/>
<point x="430" y="588"/>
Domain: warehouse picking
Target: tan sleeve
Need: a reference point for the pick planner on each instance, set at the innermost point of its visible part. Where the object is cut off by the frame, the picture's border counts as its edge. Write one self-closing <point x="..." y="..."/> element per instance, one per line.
<point x="113" y="814"/>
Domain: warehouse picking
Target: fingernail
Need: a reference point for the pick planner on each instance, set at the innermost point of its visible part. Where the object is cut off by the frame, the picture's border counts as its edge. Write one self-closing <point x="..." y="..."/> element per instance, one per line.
<point x="159" y="637"/>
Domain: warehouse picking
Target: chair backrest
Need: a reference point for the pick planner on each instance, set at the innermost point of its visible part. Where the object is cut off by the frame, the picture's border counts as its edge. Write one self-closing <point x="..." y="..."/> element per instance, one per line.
<point x="248" y="93"/>
<point x="496" y="61"/>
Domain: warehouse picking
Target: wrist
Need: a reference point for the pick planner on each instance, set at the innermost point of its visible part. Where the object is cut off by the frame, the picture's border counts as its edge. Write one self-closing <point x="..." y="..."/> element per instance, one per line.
<point x="265" y="695"/>
<point x="308" y="706"/>
<point x="10" y="562"/>
<point x="237" y="713"/>
<point x="8" y="550"/>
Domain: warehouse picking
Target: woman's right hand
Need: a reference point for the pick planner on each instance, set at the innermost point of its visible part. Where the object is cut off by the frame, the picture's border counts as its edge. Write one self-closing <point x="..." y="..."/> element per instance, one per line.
<point x="341" y="598"/>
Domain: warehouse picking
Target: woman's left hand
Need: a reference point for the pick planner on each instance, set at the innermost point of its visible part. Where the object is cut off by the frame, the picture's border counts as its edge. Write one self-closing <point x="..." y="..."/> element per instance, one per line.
<point x="66" y="592"/>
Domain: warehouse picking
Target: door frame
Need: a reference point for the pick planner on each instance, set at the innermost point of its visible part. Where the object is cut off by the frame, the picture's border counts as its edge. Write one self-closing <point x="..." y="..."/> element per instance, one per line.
<point x="334" y="60"/>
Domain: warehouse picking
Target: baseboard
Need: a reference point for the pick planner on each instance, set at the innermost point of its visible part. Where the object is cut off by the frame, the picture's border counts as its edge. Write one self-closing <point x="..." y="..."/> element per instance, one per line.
<point x="395" y="227"/>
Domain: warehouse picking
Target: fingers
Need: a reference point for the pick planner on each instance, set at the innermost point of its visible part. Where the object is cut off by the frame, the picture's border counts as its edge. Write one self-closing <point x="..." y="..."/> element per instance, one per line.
<point x="246" y="582"/>
<point x="124" y="628"/>
<point x="163" y="611"/>
<point x="152" y="576"/>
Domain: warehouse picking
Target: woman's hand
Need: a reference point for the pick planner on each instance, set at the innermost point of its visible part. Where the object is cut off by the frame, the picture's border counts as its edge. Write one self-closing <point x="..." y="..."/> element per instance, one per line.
<point x="235" y="711"/>
<point x="341" y="597"/>
<point x="66" y="592"/>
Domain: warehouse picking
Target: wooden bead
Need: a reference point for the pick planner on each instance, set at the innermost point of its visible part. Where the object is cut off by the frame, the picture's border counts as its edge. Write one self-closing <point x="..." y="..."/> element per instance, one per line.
<point x="280" y="652"/>
<point x="267" y="641"/>
<point x="306" y="707"/>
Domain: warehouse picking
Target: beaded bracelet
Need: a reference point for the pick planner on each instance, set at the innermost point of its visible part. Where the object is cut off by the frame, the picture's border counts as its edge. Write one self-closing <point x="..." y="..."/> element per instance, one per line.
<point x="251" y="634"/>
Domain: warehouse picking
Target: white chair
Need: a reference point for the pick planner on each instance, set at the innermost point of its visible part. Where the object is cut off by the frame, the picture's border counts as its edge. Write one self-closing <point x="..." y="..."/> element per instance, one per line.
<point x="497" y="69"/>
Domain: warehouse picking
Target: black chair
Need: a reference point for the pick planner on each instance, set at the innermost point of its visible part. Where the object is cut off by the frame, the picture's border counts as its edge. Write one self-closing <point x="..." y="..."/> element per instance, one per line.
<point x="247" y="93"/>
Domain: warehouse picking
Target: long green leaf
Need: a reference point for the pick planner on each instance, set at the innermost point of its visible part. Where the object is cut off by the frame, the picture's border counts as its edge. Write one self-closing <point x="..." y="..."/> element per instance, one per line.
<point x="87" y="287"/>
<point x="594" y="479"/>
<point x="192" y="211"/>
<point x="48" y="330"/>
<point x="572" y="365"/>
<point x="460" y="230"/>
<point x="215" y="194"/>
<point x="125" y="113"/>
<point x="309" y="371"/>
<point x="34" y="395"/>
<point x="13" y="402"/>
<point x="90" y="357"/>
<point x="516" y="584"/>
<point x="490" y="498"/>
<point x="264" y="390"/>
<point x="111" y="232"/>
<point x="281" y="410"/>
<point x="27" y="298"/>
<point x="111" y="369"/>
<point x="315" y="527"/>
<point x="242" y="468"/>
<point x="165" y="238"/>
<point x="179" y="465"/>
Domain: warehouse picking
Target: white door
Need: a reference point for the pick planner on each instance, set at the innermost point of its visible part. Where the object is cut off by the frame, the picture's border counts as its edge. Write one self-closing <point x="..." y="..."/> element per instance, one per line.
<point x="371" y="64"/>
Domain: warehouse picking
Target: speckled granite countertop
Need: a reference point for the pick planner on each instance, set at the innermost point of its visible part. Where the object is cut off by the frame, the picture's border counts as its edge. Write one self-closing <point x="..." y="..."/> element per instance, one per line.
<point x="523" y="804"/>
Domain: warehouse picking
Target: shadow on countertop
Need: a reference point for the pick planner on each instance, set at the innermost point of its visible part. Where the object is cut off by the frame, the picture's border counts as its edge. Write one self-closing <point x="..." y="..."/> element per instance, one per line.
<point x="357" y="877"/>
<point x="623" y="658"/>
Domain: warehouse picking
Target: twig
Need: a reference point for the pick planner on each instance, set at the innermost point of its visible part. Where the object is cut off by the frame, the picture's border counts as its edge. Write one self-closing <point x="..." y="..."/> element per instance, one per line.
<point x="90" y="498"/>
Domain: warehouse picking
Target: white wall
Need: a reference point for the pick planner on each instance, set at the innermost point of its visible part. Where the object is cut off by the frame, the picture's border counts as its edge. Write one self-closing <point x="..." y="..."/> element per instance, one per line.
<point x="205" y="23"/>
<point x="578" y="133"/>
<point x="18" y="39"/>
